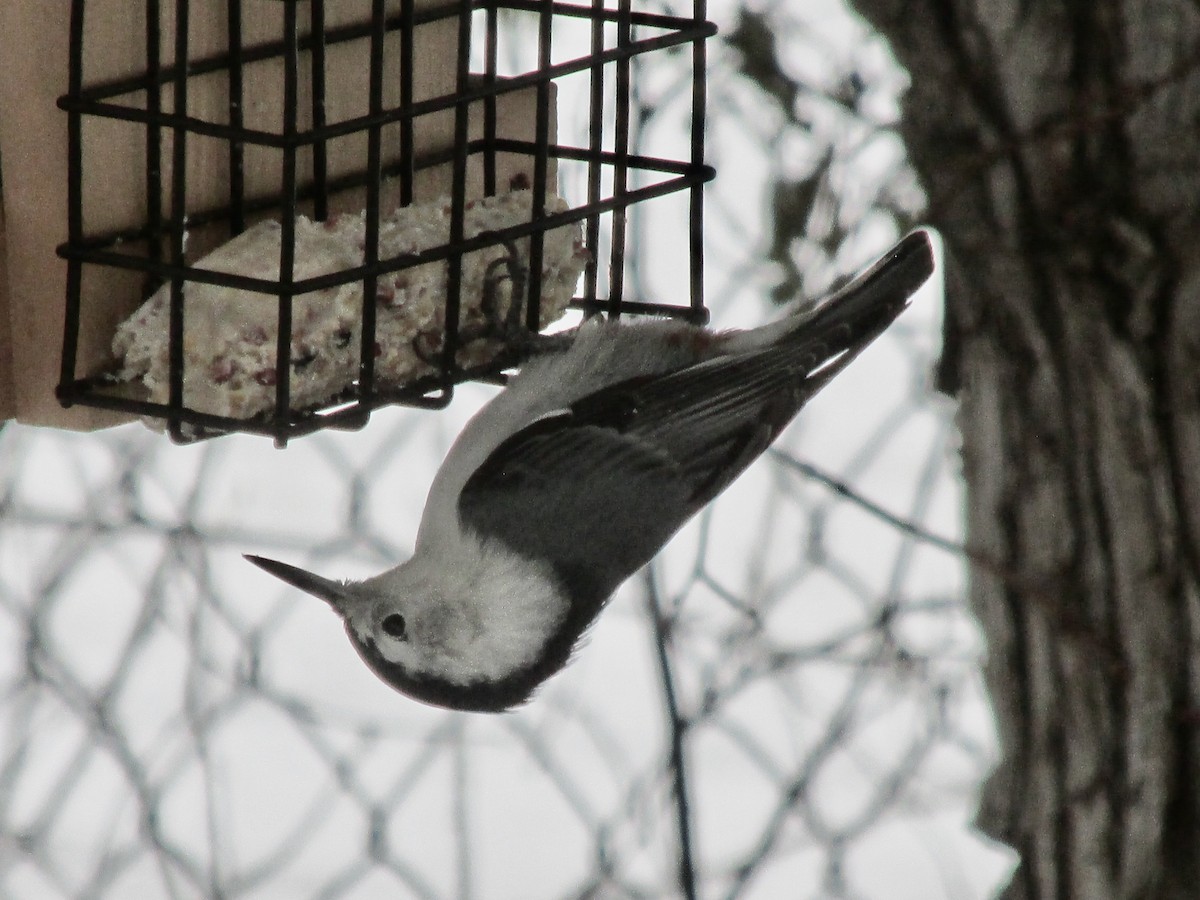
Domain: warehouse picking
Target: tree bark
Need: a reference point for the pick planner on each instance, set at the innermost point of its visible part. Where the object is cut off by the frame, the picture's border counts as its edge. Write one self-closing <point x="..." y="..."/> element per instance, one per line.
<point x="1059" y="143"/>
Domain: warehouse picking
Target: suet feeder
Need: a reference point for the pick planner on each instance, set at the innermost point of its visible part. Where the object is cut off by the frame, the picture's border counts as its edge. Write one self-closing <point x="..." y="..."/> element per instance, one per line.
<point x="315" y="135"/>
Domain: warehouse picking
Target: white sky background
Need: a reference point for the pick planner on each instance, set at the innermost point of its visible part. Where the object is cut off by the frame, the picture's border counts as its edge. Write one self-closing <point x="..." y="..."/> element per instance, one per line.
<point x="170" y="676"/>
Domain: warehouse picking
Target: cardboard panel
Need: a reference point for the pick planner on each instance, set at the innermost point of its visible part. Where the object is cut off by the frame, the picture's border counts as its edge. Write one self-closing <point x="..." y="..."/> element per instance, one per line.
<point x="8" y="404"/>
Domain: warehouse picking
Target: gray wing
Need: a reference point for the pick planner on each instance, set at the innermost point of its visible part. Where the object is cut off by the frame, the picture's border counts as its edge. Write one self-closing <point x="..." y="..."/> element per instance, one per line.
<point x="598" y="488"/>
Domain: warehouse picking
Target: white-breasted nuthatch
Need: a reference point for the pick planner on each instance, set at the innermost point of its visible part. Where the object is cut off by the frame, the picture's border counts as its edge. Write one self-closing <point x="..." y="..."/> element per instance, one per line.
<point x="578" y="473"/>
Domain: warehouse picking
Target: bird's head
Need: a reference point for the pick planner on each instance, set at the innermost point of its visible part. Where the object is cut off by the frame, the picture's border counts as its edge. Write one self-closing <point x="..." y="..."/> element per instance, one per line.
<point x="439" y="639"/>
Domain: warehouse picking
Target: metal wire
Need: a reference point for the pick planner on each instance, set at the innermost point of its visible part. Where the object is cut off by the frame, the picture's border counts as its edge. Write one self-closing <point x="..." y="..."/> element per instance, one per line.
<point x="786" y="704"/>
<point x="139" y="248"/>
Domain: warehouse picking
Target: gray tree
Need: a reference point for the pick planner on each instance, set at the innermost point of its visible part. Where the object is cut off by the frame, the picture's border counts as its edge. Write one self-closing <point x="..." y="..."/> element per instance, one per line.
<point x="1058" y="144"/>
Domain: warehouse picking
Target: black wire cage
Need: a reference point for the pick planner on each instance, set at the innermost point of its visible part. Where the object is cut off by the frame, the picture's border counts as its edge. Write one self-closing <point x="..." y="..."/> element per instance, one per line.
<point x="319" y="155"/>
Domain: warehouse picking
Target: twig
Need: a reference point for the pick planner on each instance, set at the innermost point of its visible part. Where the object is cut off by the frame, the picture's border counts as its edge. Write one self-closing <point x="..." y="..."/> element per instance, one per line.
<point x="844" y="490"/>
<point x="678" y="734"/>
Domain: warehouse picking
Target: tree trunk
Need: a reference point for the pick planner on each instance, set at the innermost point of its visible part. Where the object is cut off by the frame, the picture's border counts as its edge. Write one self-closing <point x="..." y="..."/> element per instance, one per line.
<point x="1059" y="143"/>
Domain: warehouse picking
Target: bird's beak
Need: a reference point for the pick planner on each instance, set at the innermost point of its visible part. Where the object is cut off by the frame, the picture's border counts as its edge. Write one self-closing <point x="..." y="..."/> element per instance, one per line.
<point x="332" y="592"/>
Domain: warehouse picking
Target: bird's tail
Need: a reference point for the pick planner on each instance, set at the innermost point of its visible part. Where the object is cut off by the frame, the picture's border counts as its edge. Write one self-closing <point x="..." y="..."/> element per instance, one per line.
<point x="869" y="303"/>
<point x="847" y="321"/>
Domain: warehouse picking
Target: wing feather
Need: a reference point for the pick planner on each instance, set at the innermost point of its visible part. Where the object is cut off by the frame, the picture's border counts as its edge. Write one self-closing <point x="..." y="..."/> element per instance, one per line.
<point x="599" y="487"/>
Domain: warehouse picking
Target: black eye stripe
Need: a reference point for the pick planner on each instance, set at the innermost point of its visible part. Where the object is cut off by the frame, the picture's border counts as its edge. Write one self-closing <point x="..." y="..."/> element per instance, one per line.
<point x="394" y="626"/>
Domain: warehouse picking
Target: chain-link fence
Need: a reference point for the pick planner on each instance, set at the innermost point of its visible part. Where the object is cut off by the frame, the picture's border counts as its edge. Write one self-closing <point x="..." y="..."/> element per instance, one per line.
<point x="785" y="704"/>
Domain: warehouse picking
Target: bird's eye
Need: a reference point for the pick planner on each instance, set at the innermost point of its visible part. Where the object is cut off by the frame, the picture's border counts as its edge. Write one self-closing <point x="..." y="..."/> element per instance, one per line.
<point x="393" y="626"/>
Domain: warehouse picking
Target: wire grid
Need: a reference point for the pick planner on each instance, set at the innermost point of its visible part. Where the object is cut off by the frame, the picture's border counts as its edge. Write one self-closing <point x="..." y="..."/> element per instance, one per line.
<point x="156" y="101"/>
<point x="786" y="703"/>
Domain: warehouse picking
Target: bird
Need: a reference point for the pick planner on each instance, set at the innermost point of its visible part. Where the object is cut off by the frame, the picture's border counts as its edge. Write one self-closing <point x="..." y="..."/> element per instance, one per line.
<point x="577" y="473"/>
